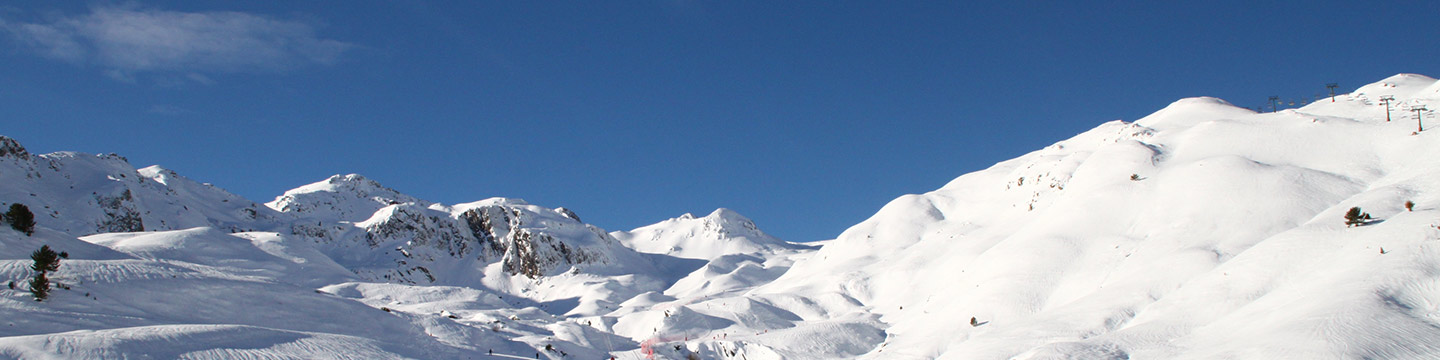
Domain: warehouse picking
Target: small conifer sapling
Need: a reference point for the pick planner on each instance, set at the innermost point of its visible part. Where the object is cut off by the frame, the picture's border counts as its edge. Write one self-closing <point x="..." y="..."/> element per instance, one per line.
<point x="1355" y="216"/>
<point x="40" y="286"/>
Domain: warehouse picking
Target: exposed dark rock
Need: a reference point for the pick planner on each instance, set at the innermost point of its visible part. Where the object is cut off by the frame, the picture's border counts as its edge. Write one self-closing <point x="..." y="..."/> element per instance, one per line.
<point x="568" y="213"/>
<point x="120" y="213"/>
<point x="533" y="254"/>
<point x="488" y="225"/>
<point x="422" y="230"/>
<point x="11" y="148"/>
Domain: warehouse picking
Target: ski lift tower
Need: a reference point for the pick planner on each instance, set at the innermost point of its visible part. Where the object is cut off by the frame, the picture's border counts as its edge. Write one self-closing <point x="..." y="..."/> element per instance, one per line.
<point x="1332" y="87"/>
<point x="1274" y="106"/>
<point x="1387" y="99"/>
<point x="1419" y="116"/>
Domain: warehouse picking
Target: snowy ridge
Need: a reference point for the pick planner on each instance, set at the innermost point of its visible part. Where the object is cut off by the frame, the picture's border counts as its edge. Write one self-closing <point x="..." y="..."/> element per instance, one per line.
<point x="85" y="194"/>
<point x="341" y="197"/>
<point x="723" y="232"/>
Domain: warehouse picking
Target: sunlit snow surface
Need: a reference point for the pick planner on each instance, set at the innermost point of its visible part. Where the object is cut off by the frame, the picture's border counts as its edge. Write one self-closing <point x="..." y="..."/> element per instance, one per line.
<point x="1201" y="231"/>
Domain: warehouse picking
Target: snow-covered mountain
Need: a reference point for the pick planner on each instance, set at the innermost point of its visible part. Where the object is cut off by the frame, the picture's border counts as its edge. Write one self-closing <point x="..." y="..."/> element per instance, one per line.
<point x="341" y="197"/>
<point x="1201" y="231"/>
<point x="345" y="236"/>
<point x="723" y="232"/>
<point x="84" y="194"/>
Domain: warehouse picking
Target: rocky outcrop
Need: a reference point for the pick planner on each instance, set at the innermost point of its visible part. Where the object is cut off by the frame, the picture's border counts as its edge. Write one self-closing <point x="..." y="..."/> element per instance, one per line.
<point x="120" y="213"/>
<point x="534" y="253"/>
<point x="419" y="229"/>
<point x="568" y="213"/>
<point x="524" y="248"/>
<point x="11" y="148"/>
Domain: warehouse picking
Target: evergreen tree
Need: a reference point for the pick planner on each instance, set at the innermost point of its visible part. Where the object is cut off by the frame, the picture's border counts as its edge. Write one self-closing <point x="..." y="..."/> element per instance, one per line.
<point x="21" y="219"/>
<point x="46" y="260"/>
<point x="40" y="286"/>
<point x="1356" y="217"/>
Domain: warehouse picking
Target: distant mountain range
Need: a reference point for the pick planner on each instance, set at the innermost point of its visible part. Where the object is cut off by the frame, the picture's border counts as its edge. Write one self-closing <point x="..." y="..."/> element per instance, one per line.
<point x="1203" y="231"/>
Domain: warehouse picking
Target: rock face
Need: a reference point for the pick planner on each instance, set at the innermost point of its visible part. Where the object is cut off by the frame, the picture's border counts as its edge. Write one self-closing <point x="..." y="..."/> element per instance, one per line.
<point x="525" y="249"/>
<point x="11" y="148"/>
<point x="120" y="213"/>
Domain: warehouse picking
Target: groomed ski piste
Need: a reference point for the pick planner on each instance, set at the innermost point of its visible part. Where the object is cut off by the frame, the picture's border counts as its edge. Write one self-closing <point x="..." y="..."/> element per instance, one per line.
<point x="1202" y="231"/>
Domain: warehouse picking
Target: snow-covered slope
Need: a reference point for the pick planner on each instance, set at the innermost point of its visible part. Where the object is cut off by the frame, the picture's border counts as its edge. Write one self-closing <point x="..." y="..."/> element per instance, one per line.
<point x="198" y="293"/>
<point x="1201" y="231"/>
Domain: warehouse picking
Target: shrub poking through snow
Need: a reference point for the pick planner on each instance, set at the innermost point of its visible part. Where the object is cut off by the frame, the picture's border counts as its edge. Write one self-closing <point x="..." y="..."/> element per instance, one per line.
<point x="1409" y="205"/>
<point x="1356" y="217"/>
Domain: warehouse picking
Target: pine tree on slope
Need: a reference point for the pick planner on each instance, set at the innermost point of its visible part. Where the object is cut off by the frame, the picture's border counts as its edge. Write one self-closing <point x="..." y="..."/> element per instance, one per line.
<point x="21" y="219"/>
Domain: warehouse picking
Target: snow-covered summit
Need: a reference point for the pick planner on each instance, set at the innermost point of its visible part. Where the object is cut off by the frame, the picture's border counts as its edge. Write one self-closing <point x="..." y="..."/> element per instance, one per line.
<point x="1400" y="86"/>
<point x="1187" y="111"/>
<point x="340" y="197"/>
<point x="722" y="232"/>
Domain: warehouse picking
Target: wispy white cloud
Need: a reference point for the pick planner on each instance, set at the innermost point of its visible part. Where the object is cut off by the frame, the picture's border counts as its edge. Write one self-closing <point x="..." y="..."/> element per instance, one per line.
<point x="124" y="41"/>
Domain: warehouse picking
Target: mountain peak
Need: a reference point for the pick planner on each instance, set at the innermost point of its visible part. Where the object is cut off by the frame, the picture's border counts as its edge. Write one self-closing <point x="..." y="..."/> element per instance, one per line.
<point x="1189" y="111"/>
<point x="348" y="178"/>
<point x="350" y="197"/>
<point x="1407" y="78"/>
<point x="11" y="148"/>
<point x="1401" y="86"/>
<point x="722" y="232"/>
<point x="724" y="213"/>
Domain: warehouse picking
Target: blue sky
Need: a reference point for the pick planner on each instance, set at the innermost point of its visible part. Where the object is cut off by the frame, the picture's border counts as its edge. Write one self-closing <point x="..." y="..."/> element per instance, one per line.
<point x="805" y="116"/>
